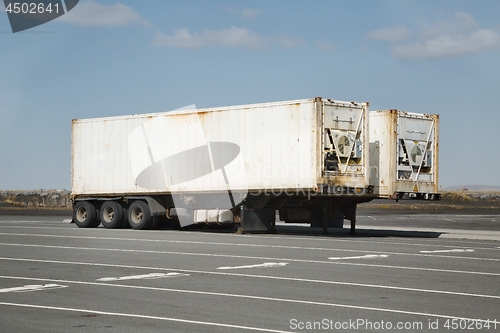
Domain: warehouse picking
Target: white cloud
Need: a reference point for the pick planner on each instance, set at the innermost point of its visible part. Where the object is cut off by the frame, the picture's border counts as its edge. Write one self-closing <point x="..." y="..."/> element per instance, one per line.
<point x="440" y="39"/>
<point x="91" y="13"/>
<point x="232" y="37"/>
<point x="463" y="24"/>
<point x="449" y="46"/>
<point x="394" y="34"/>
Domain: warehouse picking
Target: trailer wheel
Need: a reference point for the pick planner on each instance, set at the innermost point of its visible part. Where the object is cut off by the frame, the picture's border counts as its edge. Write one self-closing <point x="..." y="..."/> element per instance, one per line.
<point x="139" y="215"/>
<point x="112" y="216"/>
<point x="85" y="215"/>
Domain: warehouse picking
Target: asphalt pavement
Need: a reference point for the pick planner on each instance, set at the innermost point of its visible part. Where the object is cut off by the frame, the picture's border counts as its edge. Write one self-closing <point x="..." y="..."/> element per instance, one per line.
<point x="391" y="277"/>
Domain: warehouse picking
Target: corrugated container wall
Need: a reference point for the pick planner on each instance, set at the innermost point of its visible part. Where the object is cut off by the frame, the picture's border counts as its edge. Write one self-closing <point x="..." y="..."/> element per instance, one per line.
<point x="241" y="148"/>
<point x="403" y="153"/>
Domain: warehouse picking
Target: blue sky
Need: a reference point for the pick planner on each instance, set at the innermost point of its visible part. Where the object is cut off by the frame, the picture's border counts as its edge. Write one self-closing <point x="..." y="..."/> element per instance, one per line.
<point x="107" y="58"/>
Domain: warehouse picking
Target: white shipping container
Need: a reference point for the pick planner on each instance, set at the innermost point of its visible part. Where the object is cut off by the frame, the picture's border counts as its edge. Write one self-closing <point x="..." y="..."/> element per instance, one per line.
<point x="404" y="154"/>
<point x="309" y="144"/>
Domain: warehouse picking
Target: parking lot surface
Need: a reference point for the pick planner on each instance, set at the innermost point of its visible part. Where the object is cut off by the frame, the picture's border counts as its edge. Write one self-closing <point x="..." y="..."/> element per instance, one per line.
<point x="58" y="278"/>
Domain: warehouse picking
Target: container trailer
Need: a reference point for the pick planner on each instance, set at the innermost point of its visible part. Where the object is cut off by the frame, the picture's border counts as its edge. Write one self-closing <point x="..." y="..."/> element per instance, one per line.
<point x="404" y="154"/>
<point x="306" y="159"/>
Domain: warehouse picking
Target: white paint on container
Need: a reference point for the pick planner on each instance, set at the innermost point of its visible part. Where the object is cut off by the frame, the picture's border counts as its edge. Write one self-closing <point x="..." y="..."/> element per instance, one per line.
<point x="274" y="146"/>
<point x="403" y="152"/>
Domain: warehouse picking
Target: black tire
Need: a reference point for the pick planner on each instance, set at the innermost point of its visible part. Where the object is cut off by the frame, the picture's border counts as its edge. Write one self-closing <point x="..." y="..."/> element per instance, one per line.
<point x="139" y="215"/>
<point x="112" y="215"/>
<point x="156" y="223"/>
<point x="85" y="215"/>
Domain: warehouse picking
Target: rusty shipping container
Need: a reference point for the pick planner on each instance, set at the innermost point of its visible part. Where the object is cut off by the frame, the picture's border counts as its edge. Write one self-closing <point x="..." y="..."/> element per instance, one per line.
<point x="221" y="161"/>
<point x="404" y="154"/>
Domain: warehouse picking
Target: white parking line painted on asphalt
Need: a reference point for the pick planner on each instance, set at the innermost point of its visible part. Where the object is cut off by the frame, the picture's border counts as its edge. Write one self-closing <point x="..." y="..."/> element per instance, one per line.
<point x="261" y="258"/>
<point x="31" y="221"/>
<point x="365" y="241"/>
<point x="279" y="278"/>
<point x="32" y="287"/>
<point x="149" y="276"/>
<point x="232" y="244"/>
<point x="226" y="235"/>
<point x="132" y="315"/>
<point x="267" y="237"/>
<point x="336" y="305"/>
<point x="369" y="256"/>
<point x="446" y="251"/>
<point x="266" y="264"/>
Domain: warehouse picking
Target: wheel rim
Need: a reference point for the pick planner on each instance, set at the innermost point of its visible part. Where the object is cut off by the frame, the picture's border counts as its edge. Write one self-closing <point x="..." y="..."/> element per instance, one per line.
<point x="137" y="215"/>
<point x="108" y="214"/>
<point x="81" y="214"/>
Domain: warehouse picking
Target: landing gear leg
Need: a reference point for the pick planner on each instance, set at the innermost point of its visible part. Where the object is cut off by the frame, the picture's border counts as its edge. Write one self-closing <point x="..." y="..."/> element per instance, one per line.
<point x="325" y="217"/>
<point x="353" y="222"/>
<point x="349" y="212"/>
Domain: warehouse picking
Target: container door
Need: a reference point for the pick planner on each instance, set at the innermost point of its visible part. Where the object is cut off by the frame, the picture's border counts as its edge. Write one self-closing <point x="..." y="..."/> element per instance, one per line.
<point x="344" y="145"/>
<point x="416" y="147"/>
